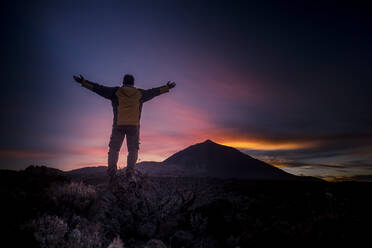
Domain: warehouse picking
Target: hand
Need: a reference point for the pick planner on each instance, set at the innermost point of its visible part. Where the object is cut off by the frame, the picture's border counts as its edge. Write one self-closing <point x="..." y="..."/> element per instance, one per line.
<point x="171" y="84"/>
<point x="80" y="79"/>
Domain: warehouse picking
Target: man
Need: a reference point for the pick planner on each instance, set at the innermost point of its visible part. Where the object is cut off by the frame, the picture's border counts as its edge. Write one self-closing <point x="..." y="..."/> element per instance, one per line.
<point x="127" y="106"/>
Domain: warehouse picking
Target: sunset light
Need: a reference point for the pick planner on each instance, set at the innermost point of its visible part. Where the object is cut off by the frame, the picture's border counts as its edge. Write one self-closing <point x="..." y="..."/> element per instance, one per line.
<point x="292" y="96"/>
<point x="264" y="145"/>
<point x="178" y="123"/>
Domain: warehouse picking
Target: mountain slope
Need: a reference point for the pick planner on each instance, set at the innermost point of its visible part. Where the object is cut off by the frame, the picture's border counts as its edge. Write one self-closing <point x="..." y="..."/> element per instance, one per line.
<point x="212" y="159"/>
<point x="88" y="170"/>
<point x="206" y="159"/>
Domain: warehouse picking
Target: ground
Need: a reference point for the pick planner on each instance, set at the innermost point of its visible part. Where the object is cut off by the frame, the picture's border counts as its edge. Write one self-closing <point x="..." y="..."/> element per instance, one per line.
<point x="44" y="208"/>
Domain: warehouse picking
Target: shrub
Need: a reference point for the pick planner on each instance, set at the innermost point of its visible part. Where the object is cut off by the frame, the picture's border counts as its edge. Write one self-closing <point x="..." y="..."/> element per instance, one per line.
<point x="49" y="231"/>
<point x="73" y="197"/>
<point x="52" y="231"/>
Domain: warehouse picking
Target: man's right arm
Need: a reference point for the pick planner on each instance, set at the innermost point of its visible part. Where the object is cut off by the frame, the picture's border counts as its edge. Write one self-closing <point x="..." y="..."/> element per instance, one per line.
<point x="104" y="91"/>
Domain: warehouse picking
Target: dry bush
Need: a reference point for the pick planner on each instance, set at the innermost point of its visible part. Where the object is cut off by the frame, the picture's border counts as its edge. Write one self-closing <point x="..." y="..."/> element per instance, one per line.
<point x="49" y="231"/>
<point x="53" y="231"/>
<point x="73" y="197"/>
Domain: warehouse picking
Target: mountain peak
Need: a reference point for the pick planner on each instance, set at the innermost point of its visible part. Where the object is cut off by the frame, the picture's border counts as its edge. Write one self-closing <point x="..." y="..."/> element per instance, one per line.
<point x="211" y="146"/>
<point x="214" y="159"/>
<point x="208" y="141"/>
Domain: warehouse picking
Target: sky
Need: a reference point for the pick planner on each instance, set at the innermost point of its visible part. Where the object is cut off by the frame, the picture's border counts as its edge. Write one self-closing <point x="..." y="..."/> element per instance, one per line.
<point x="287" y="82"/>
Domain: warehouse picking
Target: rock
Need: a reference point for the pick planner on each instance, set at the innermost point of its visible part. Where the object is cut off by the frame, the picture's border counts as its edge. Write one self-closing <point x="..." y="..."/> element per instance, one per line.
<point x="182" y="239"/>
<point x="168" y="227"/>
<point x="232" y="241"/>
<point x="209" y="242"/>
<point x="155" y="243"/>
<point x="146" y="230"/>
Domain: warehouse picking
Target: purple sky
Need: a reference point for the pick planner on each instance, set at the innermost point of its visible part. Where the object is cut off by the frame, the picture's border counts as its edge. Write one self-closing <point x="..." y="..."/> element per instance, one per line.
<point x="288" y="83"/>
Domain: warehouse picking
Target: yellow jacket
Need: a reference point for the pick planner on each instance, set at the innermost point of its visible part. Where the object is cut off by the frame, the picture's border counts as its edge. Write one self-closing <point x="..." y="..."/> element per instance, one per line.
<point x="126" y="100"/>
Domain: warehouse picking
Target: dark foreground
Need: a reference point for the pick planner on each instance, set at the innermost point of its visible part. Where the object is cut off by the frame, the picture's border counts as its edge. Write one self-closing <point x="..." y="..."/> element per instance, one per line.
<point x="44" y="208"/>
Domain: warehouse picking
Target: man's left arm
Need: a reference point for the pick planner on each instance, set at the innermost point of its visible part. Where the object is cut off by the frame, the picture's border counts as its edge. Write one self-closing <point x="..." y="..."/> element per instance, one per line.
<point x="151" y="93"/>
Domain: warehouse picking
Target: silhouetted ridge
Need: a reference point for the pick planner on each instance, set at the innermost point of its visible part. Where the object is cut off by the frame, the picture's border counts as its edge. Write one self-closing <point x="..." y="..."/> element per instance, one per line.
<point x="211" y="159"/>
<point x="204" y="151"/>
<point x="205" y="159"/>
<point x="89" y="170"/>
<point x="42" y="170"/>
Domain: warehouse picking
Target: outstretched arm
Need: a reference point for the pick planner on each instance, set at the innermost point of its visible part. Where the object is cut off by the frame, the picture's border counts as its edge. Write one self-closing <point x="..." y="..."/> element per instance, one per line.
<point x="151" y="93"/>
<point x="104" y="91"/>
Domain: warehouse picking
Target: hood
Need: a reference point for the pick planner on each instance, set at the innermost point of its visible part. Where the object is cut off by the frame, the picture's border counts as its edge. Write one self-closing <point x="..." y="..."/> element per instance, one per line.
<point x="128" y="92"/>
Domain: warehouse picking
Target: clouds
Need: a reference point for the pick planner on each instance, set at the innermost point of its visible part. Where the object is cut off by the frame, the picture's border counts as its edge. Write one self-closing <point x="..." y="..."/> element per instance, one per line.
<point x="331" y="156"/>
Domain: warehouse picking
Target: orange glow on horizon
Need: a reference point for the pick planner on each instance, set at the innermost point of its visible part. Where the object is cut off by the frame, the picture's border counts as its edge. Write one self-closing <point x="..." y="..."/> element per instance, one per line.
<point x="266" y="145"/>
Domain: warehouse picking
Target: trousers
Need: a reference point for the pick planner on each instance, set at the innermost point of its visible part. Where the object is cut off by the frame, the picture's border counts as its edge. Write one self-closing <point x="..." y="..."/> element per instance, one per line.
<point x="116" y="140"/>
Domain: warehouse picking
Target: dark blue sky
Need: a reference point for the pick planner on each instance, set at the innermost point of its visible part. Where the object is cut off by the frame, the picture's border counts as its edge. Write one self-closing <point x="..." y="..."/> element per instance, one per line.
<point x="286" y="82"/>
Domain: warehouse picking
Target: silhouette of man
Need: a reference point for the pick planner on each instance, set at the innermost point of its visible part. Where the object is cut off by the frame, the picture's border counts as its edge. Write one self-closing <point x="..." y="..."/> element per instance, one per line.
<point x="127" y="106"/>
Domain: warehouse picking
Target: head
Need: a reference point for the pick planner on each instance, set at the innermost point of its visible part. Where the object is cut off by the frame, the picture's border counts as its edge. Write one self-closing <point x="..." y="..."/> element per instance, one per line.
<point x="128" y="80"/>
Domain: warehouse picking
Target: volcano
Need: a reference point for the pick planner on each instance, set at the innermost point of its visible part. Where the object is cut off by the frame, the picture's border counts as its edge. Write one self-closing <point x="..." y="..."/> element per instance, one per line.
<point x="209" y="159"/>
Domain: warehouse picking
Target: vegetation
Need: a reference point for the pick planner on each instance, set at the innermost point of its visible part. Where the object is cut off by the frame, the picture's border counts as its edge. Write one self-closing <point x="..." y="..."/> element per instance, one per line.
<point x="47" y="209"/>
